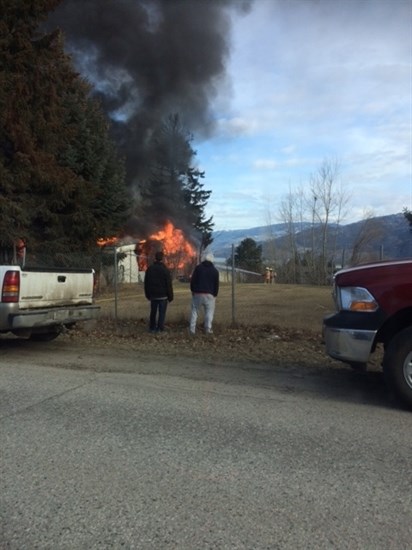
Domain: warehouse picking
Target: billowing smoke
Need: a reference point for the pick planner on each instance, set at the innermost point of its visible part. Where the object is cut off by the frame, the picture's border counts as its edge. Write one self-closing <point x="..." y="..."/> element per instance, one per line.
<point x="148" y="60"/>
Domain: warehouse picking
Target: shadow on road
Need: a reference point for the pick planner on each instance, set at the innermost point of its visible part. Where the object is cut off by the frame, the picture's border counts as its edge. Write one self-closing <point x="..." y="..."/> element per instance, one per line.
<point x="330" y="382"/>
<point x="340" y="383"/>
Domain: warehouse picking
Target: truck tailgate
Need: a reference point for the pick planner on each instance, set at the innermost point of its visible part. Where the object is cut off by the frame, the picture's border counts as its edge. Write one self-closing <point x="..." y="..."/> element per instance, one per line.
<point x="44" y="288"/>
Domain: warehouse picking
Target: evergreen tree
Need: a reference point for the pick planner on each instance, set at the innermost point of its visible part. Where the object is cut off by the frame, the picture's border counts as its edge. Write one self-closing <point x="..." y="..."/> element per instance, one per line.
<point x="408" y="216"/>
<point x="174" y="189"/>
<point x="161" y="194"/>
<point x="62" y="185"/>
<point x="196" y="198"/>
<point x="248" y="255"/>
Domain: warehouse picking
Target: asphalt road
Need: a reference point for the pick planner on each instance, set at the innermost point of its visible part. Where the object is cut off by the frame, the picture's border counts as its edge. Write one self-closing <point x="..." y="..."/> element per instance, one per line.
<point x="102" y="450"/>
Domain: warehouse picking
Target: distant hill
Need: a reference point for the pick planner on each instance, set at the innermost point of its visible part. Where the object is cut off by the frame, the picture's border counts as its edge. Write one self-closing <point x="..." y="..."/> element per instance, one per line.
<point x="223" y="240"/>
<point x="389" y="237"/>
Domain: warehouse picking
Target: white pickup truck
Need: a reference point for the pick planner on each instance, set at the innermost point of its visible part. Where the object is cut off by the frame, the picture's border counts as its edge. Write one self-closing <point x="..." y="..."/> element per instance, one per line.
<point x="38" y="303"/>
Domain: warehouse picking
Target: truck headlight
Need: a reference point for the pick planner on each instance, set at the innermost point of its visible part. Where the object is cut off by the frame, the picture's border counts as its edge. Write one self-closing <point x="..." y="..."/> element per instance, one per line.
<point x="355" y="298"/>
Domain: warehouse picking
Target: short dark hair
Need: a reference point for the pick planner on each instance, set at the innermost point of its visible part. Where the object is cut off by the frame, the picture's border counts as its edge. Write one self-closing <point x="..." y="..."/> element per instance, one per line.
<point x="159" y="256"/>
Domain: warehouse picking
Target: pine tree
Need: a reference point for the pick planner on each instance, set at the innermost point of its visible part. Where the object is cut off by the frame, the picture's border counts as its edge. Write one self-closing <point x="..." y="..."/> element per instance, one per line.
<point x="174" y="189"/>
<point x="196" y="198"/>
<point x="248" y="255"/>
<point x="62" y="185"/>
<point x="408" y="216"/>
<point x="170" y="152"/>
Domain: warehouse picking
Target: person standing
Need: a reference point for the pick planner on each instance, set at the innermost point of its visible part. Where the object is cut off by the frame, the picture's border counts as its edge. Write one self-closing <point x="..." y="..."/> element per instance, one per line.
<point x="204" y="285"/>
<point x="158" y="289"/>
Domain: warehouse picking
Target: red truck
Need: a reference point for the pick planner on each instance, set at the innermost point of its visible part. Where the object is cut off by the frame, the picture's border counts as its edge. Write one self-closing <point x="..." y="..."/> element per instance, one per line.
<point x="374" y="305"/>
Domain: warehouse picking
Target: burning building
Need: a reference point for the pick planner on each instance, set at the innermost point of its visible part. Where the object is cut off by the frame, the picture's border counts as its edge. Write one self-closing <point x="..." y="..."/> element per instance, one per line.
<point x="134" y="256"/>
<point x="180" y="255"/>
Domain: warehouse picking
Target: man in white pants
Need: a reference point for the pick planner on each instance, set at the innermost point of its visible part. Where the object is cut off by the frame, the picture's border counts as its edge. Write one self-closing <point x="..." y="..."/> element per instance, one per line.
<point x="204" y="285"/>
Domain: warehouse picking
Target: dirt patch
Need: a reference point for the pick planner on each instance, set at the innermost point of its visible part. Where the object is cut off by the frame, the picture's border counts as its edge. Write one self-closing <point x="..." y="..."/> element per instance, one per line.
<point x="255" y="323"/>
<point x="240" y="344"/>
<point x="279" y="324"/>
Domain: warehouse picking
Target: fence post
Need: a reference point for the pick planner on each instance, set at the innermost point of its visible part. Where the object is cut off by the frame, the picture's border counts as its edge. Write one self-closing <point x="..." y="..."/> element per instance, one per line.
<point x="233" y="286"/>
<point x="115" y="286"/>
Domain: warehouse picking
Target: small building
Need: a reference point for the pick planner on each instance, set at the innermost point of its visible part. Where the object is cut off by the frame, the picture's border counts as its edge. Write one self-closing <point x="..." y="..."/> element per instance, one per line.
<point x="127" y="265"/>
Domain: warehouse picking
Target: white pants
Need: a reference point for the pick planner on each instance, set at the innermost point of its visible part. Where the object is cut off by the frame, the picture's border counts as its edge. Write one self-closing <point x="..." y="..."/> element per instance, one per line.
<point x="207" y="303"/>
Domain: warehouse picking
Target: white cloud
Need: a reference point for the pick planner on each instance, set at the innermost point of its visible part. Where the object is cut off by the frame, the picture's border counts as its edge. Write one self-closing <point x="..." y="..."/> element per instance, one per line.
<point x="315" y="79"/>
<point x="265" y="164"/>
<point x="288" y="149"/>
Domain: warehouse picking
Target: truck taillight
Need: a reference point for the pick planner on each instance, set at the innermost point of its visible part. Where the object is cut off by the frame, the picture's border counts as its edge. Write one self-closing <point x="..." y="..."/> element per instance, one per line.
<point x="11" y="287"/>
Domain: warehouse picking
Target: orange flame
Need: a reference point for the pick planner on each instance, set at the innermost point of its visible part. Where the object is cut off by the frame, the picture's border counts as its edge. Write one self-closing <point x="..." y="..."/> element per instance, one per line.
<point x="179" y="252"/>
<point x="177" y="249"/>
<point x="107" y="241"/>
<point x="174" y="242"/>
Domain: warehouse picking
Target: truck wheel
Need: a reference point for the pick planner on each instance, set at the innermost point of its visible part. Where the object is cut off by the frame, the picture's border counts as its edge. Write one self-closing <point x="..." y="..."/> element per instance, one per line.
<point x="359" y="367"/>
<point x="397" y="365"/>
<point x="43" y="336"/>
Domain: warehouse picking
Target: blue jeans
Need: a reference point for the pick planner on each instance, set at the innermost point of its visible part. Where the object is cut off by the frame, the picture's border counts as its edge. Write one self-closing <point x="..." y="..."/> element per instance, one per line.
<point x="205" y="302"/>
<point x="157" y="310"/>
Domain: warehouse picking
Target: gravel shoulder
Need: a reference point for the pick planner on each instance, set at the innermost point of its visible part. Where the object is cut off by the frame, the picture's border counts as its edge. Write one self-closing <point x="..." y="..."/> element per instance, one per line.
<point x="269" y="345"/>
<point x="275" y="325"/>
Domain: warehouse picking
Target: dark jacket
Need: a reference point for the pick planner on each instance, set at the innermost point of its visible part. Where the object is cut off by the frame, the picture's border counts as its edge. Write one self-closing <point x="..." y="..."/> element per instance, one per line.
<point x="158" y="282"/>
<point x="205" y="279"/>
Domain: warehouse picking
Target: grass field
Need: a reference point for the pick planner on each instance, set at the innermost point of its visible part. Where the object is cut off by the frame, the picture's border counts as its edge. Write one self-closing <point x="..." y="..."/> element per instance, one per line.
<point x="272" y="324"/>
<point x="288" y="306"/>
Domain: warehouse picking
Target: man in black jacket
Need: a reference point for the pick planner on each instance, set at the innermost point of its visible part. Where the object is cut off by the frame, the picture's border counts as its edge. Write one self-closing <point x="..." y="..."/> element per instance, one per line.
<point x="159" y="290"/>
<point x="204" y="285"/>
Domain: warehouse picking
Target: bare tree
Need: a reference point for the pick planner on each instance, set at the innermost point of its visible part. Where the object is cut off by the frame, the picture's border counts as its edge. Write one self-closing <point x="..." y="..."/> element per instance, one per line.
<point x="369" y="231"/>
<point x="270" y="245"/>
<point x="328" y="201"/>
<point x="313" y="217"/>
<point x="289" y="213"/>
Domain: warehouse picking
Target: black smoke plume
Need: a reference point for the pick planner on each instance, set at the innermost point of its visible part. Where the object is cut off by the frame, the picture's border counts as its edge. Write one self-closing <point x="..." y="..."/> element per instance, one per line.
<point x="150" y="59"/>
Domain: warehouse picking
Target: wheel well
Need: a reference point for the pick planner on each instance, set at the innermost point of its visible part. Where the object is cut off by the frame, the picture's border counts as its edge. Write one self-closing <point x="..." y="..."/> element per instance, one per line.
<point x="401" y="320"/>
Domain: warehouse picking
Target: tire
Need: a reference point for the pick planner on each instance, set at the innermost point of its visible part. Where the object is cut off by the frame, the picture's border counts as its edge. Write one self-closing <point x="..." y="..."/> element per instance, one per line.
<point x="43" y="336"/>
<point x="397" y="366"/>
<point x="359" y="367"/>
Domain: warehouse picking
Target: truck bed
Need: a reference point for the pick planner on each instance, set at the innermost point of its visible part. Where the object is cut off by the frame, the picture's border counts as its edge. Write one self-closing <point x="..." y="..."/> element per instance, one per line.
<point x="45" y="287"/>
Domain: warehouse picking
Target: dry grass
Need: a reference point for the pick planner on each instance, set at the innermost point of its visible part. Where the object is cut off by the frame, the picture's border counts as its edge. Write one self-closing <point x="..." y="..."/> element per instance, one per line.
<point x="274" y="324"/>
<point x="289" y="306"/>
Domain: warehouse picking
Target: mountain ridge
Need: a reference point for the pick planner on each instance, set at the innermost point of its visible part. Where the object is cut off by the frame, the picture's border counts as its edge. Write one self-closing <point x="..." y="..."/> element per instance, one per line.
<point x="390" y="236"/>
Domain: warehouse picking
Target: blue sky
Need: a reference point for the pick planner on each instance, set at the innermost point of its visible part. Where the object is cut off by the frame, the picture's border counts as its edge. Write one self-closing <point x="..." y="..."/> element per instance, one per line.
<point x="309" y="81"/>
